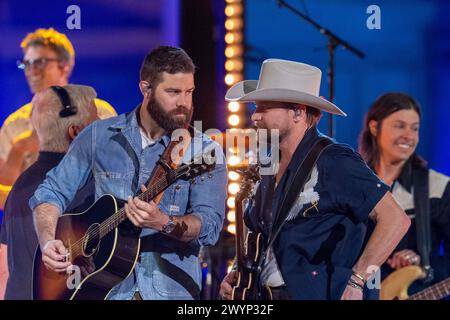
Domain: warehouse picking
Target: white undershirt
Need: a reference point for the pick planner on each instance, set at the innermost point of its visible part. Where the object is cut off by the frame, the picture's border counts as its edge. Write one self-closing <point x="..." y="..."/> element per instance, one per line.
<point x="145" y="140"/>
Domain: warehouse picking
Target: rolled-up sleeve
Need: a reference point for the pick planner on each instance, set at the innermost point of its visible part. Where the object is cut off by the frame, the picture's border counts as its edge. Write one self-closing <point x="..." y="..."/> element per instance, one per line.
<point x="62" y="182"/>
<point x="207" y="202"/>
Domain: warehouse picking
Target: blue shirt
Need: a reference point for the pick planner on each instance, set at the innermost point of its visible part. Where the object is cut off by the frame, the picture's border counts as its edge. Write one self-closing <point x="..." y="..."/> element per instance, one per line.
<point x="318" y="245"/>
<point x="111" y="150"/>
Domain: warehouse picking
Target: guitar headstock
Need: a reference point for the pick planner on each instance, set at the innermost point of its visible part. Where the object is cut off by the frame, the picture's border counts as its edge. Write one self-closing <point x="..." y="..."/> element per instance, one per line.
<point x="192" y="170"/>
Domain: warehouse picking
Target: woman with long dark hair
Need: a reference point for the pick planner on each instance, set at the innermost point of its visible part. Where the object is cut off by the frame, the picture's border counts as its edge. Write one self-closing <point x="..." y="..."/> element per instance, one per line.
<point x="388" y="144"/>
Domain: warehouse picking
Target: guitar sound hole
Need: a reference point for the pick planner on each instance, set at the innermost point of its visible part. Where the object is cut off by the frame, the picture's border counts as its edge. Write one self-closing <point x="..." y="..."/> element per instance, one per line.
<point x="91" y="240"/>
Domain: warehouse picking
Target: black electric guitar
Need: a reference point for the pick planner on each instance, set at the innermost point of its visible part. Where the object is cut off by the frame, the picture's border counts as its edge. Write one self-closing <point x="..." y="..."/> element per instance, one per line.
<point x="248" y="253"/>
<point x="102" y="244"/>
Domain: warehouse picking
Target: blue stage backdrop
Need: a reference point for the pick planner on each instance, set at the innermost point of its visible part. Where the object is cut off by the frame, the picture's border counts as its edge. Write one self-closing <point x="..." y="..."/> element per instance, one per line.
<point x="109" y="48"/>
<point x="410" y="53"/>
<point x="113" y="40"/>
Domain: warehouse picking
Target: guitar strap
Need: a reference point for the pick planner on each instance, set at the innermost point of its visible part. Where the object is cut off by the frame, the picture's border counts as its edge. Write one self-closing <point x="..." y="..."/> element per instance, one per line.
<point x="298" y="183"/>
<point x="423" y="224"/>
<point x="159" y="172"/>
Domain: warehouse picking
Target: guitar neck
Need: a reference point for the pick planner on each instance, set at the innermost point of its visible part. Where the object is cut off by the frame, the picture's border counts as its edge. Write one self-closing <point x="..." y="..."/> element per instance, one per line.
<point x="118" y="217"/>
<point x="240" y="231"/>
<point x="435" y="292"/>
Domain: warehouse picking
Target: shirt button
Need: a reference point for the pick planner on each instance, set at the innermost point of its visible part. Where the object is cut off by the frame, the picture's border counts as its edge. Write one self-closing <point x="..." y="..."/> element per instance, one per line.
<point x="378" y="185"/>
<point x="177" y="187"/>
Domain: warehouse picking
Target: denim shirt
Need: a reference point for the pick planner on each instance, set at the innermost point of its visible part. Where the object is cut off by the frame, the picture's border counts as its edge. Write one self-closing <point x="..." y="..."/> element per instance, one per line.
<point x="111" y="150"/>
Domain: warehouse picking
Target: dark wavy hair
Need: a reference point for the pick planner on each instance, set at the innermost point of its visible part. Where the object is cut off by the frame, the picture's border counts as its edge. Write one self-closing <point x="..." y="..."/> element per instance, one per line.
<point x="165" y="59"/>
<point x="384" y="106"/>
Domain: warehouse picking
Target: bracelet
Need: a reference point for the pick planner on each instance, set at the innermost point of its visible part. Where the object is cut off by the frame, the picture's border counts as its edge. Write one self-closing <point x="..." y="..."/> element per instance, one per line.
<point x="360" y="277"/>
<point x="354" y="284"/>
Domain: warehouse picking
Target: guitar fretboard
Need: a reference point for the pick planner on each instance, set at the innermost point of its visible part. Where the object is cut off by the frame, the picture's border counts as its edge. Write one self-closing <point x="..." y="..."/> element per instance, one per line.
<point x="118" y="217"/>
<point x="435" y="292"/>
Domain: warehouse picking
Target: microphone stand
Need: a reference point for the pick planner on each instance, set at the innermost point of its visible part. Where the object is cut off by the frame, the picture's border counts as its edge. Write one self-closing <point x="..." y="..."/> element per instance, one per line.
<point x="333" y="42"/>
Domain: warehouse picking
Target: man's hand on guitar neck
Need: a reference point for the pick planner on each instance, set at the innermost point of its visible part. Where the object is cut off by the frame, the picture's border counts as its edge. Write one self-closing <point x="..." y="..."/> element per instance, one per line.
<point x="226" y="287"/>
<point x="145" y="214"/>
<point x="148" y="215"/>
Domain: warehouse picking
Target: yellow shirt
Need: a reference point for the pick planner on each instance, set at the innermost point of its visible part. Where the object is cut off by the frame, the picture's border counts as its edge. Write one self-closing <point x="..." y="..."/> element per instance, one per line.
<point x="18" y="125"/>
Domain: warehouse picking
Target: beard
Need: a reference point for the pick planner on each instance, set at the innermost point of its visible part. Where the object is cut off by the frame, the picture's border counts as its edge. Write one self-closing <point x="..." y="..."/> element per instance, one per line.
<point x="169" y="121"/>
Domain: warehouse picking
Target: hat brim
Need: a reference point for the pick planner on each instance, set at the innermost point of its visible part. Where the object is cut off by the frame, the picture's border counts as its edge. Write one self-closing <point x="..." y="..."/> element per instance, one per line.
<point x="245" y="91"/>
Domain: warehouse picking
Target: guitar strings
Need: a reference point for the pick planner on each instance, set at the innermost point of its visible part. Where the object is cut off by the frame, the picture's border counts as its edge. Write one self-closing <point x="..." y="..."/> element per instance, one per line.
<point x="112" y="219"/>
<point x="108" y="224"/>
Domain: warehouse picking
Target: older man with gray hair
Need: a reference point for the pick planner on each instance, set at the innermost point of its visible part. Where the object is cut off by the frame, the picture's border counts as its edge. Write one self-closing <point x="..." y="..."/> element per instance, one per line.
<point x="59" y="114"/>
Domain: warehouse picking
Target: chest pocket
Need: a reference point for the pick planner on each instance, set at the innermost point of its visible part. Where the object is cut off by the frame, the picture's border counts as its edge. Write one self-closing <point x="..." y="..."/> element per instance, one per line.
<point x="111" y="183"/>
<point x="176" y="198"/>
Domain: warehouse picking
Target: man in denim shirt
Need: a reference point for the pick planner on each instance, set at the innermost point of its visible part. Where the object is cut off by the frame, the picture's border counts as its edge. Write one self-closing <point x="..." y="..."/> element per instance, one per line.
<point x="120" y="153"/>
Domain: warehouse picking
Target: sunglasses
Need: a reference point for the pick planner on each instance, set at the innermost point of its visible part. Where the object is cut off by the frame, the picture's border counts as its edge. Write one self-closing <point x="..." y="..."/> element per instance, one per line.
<point x="38" y="63"/>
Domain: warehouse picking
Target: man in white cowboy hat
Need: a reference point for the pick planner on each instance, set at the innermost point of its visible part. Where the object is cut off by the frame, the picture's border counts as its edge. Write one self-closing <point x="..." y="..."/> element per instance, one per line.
<point x="317" y="253"/>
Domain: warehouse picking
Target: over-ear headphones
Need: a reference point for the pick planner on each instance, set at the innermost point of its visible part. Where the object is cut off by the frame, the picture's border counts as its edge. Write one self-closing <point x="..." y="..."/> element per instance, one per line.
<point x="67" y="108"/>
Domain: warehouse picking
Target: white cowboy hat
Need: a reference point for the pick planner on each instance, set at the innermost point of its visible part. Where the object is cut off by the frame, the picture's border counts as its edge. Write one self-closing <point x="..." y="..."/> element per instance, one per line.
<point x="284" y="81"/>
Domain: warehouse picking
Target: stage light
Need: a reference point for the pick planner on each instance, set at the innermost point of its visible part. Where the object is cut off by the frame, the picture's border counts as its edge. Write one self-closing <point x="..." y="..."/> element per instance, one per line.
<point x="234" y="65"/>
<point x="233" y="176"/>
<point x="231" y="228"/>
<point x="231" y="216"/>
<point x="229" y="79"/>
<point x="232" y="24"/>
<point x="233" y="188"/>
<point x="233" y="37"/>
<point x="233" y="51"/>
<point x="233" y="10"/>
<point x="231" y="202"/>
<point x="234" y="120"/>
<point x="234" y="161"/>
<point x="233" y="106"/>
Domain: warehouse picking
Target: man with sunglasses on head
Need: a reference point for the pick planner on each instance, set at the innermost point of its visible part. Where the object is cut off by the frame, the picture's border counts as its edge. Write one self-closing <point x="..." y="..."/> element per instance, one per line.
<point x="58" y="115"/>
<point x="48" y="60"/>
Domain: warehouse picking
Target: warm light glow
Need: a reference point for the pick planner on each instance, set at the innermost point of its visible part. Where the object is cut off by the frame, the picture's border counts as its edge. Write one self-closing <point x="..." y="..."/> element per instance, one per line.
<point x="231" y="216"/>
<point x="233" y="106"/>
<point x="233" y="150"/>
<point x="232" y="51"/>
<point x="234" y="65"/>
<point x="229" y="52"/>
<point x="232" y="24"/>
<point x="233" y="120"/>
<point x="233" y="188"/>
<point x="234" y="161"/>
<point x="231" y="228"/>
<point x="229" y="79"/>
<point x="230" y="37"/>
<point x="233" y="175"/>
<point x="233" y="9"/>
<point x="229" y="65"/>
<point x="231" y="202"/>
